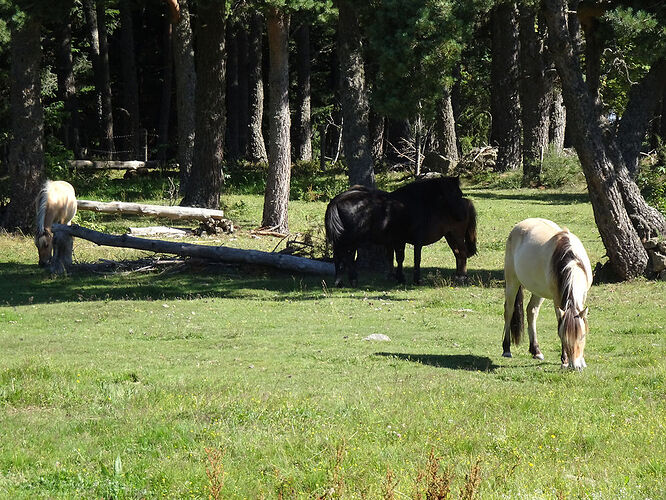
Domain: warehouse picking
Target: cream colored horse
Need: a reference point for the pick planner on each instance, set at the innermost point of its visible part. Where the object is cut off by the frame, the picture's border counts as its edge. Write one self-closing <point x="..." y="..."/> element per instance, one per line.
<point x="552" y="263"/>
<point x="56" y="203"/>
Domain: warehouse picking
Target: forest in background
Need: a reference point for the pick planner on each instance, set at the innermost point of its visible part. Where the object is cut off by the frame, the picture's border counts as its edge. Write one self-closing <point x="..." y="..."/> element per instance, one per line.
<point x="205" y="86"/>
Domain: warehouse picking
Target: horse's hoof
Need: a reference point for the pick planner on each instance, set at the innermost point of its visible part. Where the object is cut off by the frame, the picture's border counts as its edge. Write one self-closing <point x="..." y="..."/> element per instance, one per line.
<point x="564" y="366"/>
<point x="507" y="354"/>
<point x="538" y="356"/>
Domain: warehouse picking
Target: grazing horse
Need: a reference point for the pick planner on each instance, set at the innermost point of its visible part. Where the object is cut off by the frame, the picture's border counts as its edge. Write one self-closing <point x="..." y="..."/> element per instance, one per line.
<point x="56" y="203"/>
<point x="552" y="263"/>
<point x="419" y="213"/>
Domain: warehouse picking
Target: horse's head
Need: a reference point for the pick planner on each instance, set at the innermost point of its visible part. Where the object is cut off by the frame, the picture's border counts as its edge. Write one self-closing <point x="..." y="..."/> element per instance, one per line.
<point x="572" y="328"/>
<point x="44" y="244"/>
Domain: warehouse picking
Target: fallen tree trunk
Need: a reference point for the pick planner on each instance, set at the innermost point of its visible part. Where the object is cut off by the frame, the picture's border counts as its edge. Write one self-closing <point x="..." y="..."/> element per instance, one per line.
<point x="113" y="164"/>
<point x="214" y="253"/>
<point x="178" y="213"/>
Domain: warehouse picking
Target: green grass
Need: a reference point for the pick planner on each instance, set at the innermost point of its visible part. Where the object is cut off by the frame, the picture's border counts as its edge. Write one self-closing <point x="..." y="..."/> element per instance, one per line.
<point x="122" y="385"/>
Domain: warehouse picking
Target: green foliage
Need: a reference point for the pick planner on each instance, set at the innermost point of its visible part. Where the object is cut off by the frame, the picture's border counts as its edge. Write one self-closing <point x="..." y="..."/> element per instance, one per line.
<point x="561" y="170"/>
<point x="651" y="178"/>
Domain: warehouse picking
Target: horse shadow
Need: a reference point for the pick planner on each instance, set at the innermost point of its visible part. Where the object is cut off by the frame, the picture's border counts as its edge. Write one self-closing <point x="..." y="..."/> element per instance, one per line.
<point x="468" y="362"/>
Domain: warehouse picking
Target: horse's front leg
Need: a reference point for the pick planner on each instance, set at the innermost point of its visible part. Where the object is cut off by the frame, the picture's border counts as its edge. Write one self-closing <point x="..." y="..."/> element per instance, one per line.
<point x="417" y="264"/>
<point x="532" y="315"/>
<point x="399" y="259"/>
<point x="457" y="246"/>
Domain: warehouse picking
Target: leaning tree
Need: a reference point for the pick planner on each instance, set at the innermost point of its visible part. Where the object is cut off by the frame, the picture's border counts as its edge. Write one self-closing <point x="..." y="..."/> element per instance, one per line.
<point x="606" y="149"/>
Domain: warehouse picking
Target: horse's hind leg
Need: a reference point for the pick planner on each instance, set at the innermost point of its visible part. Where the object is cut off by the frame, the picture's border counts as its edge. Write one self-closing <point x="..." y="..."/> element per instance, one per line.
<point x="532" y="315"/>
<point x="457" y="245"/>
<point x="338" y="260"/>
<point x="513" y="305"/>
<point x="349" y="257"/>
<point x="417" y="264"/>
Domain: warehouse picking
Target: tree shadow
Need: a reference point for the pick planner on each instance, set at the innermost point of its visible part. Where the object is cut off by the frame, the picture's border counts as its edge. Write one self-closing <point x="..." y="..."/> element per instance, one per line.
<point x="468" y="362"/>
<point x="539" y="197"/>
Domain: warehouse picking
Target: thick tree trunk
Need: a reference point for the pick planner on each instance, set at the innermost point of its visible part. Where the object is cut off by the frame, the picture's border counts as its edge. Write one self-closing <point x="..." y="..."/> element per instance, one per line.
<point x="303" y="125"/>
<point x="276" y="197"/>
<point x="243" y="91"/>
<point x="233" y="123"/>
<point x="256" y="147"/>
<point x="504" y="98"/>
<point x="130" y="81"/>
<point x="167" y="85"/>
<point x="600" y="165"/>
<point x="104" y="76"/>
<point x="355" y="106"/>
<point x="558" y="119"/>
<point x="186" y="83"/>
<point x="26" y="153"/>
<point x="535" y="96"/>
<point x="377" y="131"/>
<point x="203" y="188"/>
<point x="641" y="107"/>
<point x="447" y="144"/>
<point x="66" y="84"/>
<point x="90" y="14"/>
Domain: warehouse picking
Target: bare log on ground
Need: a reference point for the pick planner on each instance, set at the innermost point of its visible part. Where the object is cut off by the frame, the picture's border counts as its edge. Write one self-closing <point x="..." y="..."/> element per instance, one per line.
<point x="213" y="253"/>
<point x="161" y="231"/>
<point x="113" y="164"/>
<point x="176" y="213"/>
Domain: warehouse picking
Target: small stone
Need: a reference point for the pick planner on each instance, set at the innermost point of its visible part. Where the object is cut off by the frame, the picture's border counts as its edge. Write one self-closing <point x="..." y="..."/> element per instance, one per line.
<point x="379" y="337"/>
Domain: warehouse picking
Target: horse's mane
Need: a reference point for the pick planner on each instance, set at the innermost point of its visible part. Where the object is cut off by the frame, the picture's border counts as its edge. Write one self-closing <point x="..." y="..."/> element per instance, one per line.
<point x="564" y="262"/>
<point x="42" y="200"/>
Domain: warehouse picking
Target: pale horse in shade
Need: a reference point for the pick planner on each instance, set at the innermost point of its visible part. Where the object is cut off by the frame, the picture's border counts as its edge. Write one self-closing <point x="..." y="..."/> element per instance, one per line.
<point x="56" y="203"/>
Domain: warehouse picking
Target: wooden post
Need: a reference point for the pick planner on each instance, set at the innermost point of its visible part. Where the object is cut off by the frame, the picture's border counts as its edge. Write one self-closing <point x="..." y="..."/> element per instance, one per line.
<point x="63" y="246"/>
<point x="144" y="136"/>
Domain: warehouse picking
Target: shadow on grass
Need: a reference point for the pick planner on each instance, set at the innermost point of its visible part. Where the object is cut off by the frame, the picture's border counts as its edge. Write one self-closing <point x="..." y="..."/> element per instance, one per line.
<point x="538" y="197"/>
<point x="451" y="361"/>
<point x="25" y="284"/>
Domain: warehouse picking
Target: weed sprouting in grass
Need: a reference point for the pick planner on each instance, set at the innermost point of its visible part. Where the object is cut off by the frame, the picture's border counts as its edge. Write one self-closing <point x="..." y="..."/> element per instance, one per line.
<point x="389" y="484"/>
<point x="472" y="482"/>
<point x="214" y="472"/>
<point x="437" y="482"/>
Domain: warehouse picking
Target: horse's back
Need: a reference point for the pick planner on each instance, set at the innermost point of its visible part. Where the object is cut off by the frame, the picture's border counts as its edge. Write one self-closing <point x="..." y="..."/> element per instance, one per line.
<point x="61" y="201"/>
<point x="529" y="250"/>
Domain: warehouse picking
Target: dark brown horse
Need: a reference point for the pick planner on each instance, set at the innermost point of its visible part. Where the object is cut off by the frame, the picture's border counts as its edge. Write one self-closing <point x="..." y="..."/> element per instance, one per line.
<point x="419" y="213"/>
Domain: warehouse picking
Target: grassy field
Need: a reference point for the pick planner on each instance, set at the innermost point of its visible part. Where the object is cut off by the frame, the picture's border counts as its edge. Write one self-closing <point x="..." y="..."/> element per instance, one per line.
<point x="233" y="382"/>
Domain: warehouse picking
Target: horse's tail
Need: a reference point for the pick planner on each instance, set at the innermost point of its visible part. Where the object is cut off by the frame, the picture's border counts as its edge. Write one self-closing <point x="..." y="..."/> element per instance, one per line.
<point x="42" y="200"/>
<point x="470" y="231"/>
<point x="333" y="223"/>
<point x="517" y="324"/>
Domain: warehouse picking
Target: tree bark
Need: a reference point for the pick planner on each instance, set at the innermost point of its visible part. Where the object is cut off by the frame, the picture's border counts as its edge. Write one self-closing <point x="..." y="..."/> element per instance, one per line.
<point x="130" y="82"/>
<point x="26" y="150"/>
<point x="243" y="90"/>
<point x="535" y="95"/>
<point x="203" y="188"/>
<point x="214" y="253"/>
<point x="558" y="119"/>
<point x="447" y="144"/>
<point x="377" y="131"/>
<point x="276" y="196"/>
<point x="233" y="123"/>
<point x="640" y="110"/>
<point x="186" y="83"/>
<point x="90" y="14"/>
<point x="504" y="97"/>
<point x="167" y="85"/>
<point x="66" y="84"/>
<point x="355" y="106"/>
<point x="604" y="168"/>
<point x="104" y="76"/>
<point x="256" y="147"/>
<point x="303" y="125"/>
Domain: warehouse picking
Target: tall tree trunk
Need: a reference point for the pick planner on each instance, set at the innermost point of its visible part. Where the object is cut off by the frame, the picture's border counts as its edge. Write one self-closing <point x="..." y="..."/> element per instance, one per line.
<point x="504" y="99"/>
<point x="130" y="81"/>
<point x="232" y="134"/>
<point x="276" y="197"/>
<point x="303" y="125"/>
<point x="535" y="95"/>
<point x="167" y="85"/>
<point x="104" y="76"/>
<point x="90" y="15"/>
<point x="203" y="188"/>
<point x="66" y="84"/>
<point x="26" y="153"/>
<point x="256" y="147"/>
<point x="619" y="210"/>
<point x="447" y="144"/>
<point x="355" y="106"/>
<point x="641" y="107"/>
<point x="558" y="119"/>
<point x="243" y="91"/>
<point x="186" y="83"/>
<point x="377" y="131"/>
